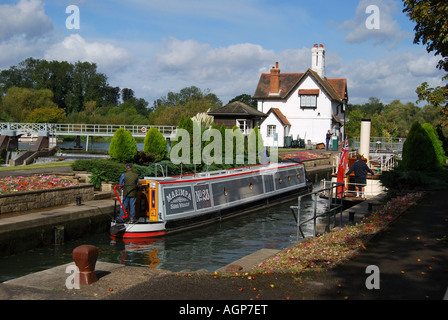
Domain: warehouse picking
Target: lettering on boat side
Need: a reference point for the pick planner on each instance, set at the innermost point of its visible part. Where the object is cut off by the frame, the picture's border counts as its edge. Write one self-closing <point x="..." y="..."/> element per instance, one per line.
<point x="235" y="309"/>
<point x="202" y="196"/>
<point x="178" y="200"/>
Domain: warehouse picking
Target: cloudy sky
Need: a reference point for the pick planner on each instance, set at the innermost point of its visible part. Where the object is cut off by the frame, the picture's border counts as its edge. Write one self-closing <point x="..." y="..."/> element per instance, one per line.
<point x="157" y="46"/>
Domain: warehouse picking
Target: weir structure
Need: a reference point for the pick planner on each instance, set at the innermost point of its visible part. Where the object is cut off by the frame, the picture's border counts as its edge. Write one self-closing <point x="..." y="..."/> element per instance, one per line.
<point x="44" y="136"/>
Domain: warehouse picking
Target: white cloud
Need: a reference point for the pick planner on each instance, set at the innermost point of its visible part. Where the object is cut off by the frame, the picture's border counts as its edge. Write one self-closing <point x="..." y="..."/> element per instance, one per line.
<point x="108" y="57"/>
<point x="27" y="18"/>
<point x="393" y="77"/>
<point x="389" y="30"/>
<point x="227" y="71"/>
<point x="235" y="69"/>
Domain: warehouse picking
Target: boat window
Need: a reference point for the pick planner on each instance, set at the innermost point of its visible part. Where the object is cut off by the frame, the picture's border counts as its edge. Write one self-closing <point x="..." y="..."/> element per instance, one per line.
<point x="298" y="176"/>
<point x="251" y="186"/>
<point x="226" y="192"/>
<point x="280" y="180"/>
<point x="289" y="178"/>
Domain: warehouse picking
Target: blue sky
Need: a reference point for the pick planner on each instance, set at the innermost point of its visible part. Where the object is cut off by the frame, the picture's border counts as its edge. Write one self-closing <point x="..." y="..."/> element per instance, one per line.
<point x="157" y="46"/>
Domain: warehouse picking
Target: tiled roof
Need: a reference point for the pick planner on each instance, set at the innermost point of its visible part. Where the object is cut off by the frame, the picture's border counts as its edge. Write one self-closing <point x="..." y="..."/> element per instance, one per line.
<point x="335" y="88"/>
<point x="287" y="83"/>
<point x="237" y="108"/>
<point x="340" y="86"/>
<point x="280" y="116"/>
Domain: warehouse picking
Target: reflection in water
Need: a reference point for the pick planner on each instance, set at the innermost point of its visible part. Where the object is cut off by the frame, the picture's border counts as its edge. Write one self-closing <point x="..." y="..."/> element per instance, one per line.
<point x="209" y="247"/>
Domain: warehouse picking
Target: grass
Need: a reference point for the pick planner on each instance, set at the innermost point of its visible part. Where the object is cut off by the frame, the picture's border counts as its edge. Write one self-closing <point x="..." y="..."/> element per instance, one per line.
<point x="59" y="164"/>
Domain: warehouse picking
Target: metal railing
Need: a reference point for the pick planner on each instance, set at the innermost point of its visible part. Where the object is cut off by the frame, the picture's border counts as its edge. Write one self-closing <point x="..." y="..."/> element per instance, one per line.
<point x="378" y="162"/>
<point x="351" y="193"/>
<point x="335" y="206"/>
<point x="67" y="129"/>
<point x="378" y="144"/>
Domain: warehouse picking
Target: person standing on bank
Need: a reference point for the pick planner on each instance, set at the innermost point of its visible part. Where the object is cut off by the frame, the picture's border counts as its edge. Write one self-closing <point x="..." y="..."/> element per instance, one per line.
<point x="328" y="138"/>
<point x="360" y="169"/>
<point x="129" y="181"/>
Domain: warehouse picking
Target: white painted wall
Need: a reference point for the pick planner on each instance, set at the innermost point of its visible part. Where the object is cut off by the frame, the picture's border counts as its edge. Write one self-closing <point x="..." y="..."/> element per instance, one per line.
<point x="280" y="129"/>
<point x="307" y="124"/>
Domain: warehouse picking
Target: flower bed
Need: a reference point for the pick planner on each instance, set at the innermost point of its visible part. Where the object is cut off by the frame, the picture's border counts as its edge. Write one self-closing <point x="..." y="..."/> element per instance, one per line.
<point x="34" y="183"/>
<point x="21" y="194"/>
<point x="303" y="155"/>
<point x="331" y="248"/>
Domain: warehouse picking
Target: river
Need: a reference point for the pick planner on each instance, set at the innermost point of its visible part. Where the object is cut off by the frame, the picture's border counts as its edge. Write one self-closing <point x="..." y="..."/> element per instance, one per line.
<point x="210" y="247"/>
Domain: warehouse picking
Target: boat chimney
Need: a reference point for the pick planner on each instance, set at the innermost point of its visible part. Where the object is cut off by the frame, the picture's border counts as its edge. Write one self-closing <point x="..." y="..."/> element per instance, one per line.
<point x="364" y="148"/>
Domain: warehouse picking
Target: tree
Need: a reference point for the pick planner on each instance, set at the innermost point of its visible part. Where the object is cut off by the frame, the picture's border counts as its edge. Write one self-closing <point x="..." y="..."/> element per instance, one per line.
<point x="155" y="143"/>
<point x="418" y="151"/>
<point x="187" y="125"/>
<point x="123" y="146"/>
<point x="46" y="115"/>
<point x="255" y="146"/>
<point x="127" y="94"/>
<point x="188" y="102"/>
<point x="247" y="99"/>
<point x="431" y="29"/>
<point x="18" y="103"/>
<point x="436" y="143"/>
<point x="71" y="84"/>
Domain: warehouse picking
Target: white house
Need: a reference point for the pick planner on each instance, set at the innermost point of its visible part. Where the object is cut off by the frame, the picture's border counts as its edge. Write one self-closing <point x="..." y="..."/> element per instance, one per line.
<point x="301" y="105"/>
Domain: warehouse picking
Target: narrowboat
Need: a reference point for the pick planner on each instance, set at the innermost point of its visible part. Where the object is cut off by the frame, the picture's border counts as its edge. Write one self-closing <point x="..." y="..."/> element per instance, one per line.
<point x="169" y="204"/>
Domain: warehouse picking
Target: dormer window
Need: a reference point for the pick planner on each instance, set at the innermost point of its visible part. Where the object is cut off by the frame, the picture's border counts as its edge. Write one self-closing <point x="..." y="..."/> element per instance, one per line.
<point x="308" y="101"/>
<point x="308" y="98"/>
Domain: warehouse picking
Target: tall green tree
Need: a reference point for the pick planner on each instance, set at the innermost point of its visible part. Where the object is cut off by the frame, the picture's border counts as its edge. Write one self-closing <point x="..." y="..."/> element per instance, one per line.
<point x="123" y="146"/>
<point x="72" y="84"/>
<point x="436" y="143"/>
<point x="18" y="103"/>
<point x="155" y="143"/>
<point x="431" y="30"/>
<point x="188" y="102"/>
<point x="418" y="151"/>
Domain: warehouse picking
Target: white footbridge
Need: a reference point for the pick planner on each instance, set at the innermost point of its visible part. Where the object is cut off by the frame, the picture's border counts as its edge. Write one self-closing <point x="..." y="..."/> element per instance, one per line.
<point x="67" y="129"/>
<point x="14" y="129"/>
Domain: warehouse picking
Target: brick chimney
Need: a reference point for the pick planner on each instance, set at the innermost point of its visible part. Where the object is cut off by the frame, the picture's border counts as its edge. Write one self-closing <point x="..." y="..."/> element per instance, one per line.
<point x="318" y="60"/>
<point x="275" y="80"/>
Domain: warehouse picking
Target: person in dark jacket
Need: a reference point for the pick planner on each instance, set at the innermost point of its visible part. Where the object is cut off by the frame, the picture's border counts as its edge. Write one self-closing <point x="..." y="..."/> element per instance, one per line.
<point x="328" y="138"/>
<point x="360" y="169"/>
<point x="129" y="181"/>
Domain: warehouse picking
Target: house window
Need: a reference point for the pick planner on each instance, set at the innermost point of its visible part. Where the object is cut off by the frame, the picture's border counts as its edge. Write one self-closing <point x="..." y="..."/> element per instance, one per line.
<point x="308" y="101"/>
<point x="244" y="125"/>
<point x="271" y="130"/>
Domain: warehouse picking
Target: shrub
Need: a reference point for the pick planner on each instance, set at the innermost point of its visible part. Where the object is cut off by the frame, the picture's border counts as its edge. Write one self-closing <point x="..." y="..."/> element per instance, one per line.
<point x="418" y="151"/>
<point x="155" y="143"/>
<point x="399" y="181"/>
<point x="97" y="177"/>
<point x="123" y="146"/>
<point x="255" y="145"/>
<point x="436" y="143"/>
<point x="112" y="170"/>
